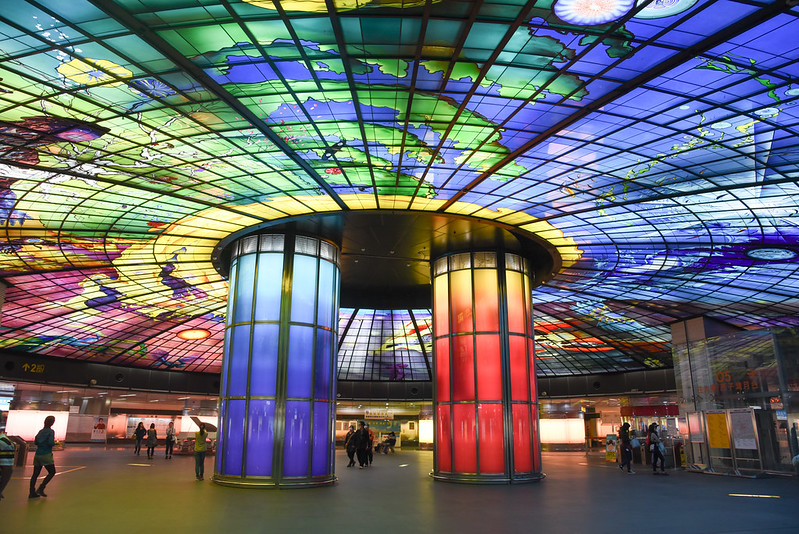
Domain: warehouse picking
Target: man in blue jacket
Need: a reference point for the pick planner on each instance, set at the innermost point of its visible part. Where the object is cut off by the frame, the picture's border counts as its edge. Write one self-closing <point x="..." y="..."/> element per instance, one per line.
<point x="45" y="440"/>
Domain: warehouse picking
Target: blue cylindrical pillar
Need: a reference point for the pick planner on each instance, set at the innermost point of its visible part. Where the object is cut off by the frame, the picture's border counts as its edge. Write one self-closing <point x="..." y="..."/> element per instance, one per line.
<point x="277" y="394"/>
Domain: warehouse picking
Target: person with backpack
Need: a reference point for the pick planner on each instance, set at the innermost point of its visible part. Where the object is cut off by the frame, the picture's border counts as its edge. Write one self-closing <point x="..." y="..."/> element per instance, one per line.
<point x="655" y="447"/>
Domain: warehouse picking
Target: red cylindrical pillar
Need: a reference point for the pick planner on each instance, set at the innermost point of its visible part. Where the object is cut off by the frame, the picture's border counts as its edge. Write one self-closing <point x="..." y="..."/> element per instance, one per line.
<point x="485" y="399"/>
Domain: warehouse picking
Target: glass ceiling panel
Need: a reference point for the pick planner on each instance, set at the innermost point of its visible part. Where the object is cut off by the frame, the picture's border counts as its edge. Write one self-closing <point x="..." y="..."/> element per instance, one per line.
<point x="653" y="145"/>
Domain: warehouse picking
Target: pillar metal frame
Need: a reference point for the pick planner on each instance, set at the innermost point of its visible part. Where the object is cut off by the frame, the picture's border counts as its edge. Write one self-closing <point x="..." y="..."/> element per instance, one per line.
<point x="507" y="402"/>
<point x="323" y="251"/>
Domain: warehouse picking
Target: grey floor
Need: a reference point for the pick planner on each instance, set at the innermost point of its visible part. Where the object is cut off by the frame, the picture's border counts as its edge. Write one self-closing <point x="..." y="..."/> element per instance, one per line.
<point x="111" y="490"/>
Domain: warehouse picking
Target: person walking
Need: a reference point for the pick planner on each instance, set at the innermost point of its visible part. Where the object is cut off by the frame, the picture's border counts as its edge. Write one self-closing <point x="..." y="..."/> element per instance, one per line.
<point x="655" y="448"/>
<point x="138" y="435"/>
<point x="200" y="448"/>
<point x="349" y="445"/>
<point x="44" y="441"/>
<point x="361" y="443"/>
<point x="626" y="448"/>
<point x="370" y="446"/>
<point x="152" y="441"/>
<point x="7" y="451"/>
<point x="171" y="438"/>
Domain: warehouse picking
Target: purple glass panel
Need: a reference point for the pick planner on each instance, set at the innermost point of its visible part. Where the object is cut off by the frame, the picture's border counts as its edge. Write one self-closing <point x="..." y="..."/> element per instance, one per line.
<point x="234" y="437"/>
<point x="260" y="438"/>
<point x="322" y="382"/>
<point x="221" y="443"/>
<point x="296" y="439"/>
<point x="321" y="439"/>
<point x="239" y="361"/>
<point x="298" y="381"/>
<point x="263" y="374"/>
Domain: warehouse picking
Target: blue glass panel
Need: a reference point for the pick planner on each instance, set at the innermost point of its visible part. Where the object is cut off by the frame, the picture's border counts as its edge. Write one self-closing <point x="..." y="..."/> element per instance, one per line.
<point x="303" y="290"/>
<point x="298" y="381"/>
<point x="324" y="348"/>
<point x="328" y="288"/>
<point x="233" y="272"/>
<point x="296" y="439"/>
<point x="244" y="289"/>
<point x="270" y="286"/>
<point x="239" y="361"/>
<point x="263" y="372"/>
<point x="322" y="425"/>
<point x="234" y="438"/>
<point x="260" y="437"/>
<point x="225" y="364"/>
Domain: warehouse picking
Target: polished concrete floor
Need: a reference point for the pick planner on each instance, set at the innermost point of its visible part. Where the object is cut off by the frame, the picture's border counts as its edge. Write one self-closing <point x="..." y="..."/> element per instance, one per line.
<point x="111" y="490"/>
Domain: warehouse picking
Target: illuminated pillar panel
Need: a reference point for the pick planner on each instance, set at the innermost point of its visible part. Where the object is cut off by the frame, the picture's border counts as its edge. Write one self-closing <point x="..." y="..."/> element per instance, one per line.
<point x="277" y="411"/>
<point x="485" y="400"/>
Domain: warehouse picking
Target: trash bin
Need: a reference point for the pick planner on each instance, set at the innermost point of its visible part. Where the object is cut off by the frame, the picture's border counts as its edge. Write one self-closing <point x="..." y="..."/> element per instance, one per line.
<point x="21" y="455"/>
<point x="637" y="457"/>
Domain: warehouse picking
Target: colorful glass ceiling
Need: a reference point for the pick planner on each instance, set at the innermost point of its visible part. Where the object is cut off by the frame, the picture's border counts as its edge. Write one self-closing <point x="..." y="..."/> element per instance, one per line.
<point x="653" y="144"/>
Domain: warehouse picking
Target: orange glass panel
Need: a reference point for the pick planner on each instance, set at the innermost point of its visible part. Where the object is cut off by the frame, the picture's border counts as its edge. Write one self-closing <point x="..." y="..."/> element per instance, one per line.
<point x="489" y="368"/>
<point x="462" y="368"/>
<point x="486" y="300"/>
<point x="440" y="306"/>
<point x="464" y="450"/>
<point x="461" y="301"/>
<point x="517" y="319"/>
<point x="442" y="369"/>
<point x="492" y="438"/>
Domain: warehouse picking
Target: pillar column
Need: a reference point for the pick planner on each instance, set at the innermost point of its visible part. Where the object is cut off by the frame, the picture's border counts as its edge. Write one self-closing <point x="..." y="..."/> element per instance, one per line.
<point x="485" y="397"/>
<point x="278" y="384"/>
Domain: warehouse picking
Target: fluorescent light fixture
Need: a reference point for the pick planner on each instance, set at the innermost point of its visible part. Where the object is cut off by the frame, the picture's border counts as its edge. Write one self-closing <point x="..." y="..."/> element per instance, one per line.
<point x="128" y="395"/>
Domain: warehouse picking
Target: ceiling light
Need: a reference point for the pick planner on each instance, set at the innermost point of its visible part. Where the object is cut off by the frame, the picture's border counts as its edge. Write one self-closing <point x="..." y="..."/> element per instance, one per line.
<point x="128" y="395"/>
<point x="194" y="333"/>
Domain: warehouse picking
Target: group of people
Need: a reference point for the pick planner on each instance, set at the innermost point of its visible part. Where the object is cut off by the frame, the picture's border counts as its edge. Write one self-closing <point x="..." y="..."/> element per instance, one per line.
<point x="200" y="445"/>
<point x="654" y="447"/>
<point x="360" y="443"/>
<point x="152" y="439"/>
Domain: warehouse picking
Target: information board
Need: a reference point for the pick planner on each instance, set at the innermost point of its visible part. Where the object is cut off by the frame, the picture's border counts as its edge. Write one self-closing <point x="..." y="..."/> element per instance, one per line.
<point x="744" y="435"/>
<point x="718" y="436"/>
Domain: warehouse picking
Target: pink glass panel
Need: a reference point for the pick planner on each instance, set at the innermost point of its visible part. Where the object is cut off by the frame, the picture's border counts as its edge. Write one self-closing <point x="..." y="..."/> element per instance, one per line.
<point x="486" y="300"/>
<point x="440" y="306"/>
<point x="517" y="319"/>
<point x="461" y="301"/>
<point x="492" y="446"/>
<point x="442" y="369"/>
<point x="519" y="374"/>
<point x="443" y="439"/>
<point x="522" y="449"/>
<point x="533" y="381"/>
<point x="464" y="453"/>
<point x="462" y="368"/>
<point x="489" y="368"/>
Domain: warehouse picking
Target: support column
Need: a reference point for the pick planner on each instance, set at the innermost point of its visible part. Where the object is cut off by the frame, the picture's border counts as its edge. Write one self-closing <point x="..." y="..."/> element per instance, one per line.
<point x="485" y="397"/>
<point x="278" y="386"/>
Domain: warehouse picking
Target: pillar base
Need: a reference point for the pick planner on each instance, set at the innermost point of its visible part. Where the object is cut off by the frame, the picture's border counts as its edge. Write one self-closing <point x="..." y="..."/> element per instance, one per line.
<point x="269" y="483"/>
<point x="459" y="478"/>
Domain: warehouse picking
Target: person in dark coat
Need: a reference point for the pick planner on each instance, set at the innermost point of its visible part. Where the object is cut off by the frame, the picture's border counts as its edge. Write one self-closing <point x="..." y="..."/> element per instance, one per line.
<point x="626" y="448"/>
<point x="152" y="441"/>
<point x="361" y="444"/>
<point x="349" y="444"/>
